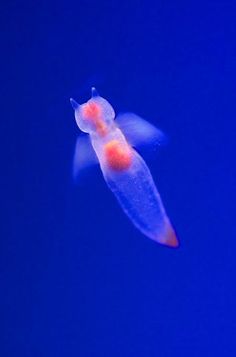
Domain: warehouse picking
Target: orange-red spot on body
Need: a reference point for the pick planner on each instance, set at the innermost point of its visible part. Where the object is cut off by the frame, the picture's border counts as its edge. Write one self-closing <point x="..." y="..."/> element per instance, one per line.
<point x="118" y="155"/>
<point x="101" y="127"/>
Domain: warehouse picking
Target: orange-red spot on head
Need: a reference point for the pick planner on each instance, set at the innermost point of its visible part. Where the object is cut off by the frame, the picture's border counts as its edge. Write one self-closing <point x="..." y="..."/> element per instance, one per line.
<point x="91" y="111"/>
<point x="118" y="155"/>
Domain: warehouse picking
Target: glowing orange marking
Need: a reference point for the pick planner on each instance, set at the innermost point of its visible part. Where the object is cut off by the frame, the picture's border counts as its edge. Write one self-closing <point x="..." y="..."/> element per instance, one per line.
<point x="101" y="127"/>
<point x="92" y="112"/>
<point x="117" y="155"/>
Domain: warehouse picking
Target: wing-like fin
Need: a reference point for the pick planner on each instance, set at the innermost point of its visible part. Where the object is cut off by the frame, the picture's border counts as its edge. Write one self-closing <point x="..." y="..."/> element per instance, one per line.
<point x="84" y="156"/>
<point x="138" y="131"/>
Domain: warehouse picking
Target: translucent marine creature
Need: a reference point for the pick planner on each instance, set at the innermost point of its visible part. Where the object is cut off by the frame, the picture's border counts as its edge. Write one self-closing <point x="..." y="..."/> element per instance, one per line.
<point x="111" y="141"/>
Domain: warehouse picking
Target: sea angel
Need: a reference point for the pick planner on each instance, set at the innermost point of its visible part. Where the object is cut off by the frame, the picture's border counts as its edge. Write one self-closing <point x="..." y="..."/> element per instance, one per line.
<point x="113" y="140"/>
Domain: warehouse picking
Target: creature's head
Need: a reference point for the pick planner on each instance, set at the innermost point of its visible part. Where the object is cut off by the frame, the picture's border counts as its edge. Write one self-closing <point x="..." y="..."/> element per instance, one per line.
<point x="94" y="116"/>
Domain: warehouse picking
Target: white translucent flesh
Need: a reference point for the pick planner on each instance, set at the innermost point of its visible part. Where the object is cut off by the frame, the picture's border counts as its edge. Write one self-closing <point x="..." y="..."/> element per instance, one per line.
<point x="133" y="186"/>
<point x="140" y="200"/>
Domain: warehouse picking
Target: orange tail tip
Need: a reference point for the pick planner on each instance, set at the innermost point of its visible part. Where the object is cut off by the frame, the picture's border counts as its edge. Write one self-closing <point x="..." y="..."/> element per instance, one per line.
<point x="171" y="239"/>
<point x="168" y="237"/>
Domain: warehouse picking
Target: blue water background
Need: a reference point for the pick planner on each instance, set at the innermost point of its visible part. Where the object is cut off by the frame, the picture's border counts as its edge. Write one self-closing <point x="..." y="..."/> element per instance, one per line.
<point x="77" y="279"/>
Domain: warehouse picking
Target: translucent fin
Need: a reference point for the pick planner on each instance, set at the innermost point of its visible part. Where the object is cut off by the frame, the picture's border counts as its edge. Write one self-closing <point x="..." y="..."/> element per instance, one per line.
<point x="138" y="131"/>
<point x="84" y="156"/>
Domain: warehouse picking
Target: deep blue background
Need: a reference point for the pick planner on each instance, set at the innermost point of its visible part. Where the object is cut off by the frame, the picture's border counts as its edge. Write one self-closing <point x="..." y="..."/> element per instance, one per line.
<point x="76" y="278"/>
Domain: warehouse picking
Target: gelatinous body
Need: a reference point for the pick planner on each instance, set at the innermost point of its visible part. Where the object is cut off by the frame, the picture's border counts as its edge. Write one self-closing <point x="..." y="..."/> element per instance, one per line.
<point x="125" y="172"/>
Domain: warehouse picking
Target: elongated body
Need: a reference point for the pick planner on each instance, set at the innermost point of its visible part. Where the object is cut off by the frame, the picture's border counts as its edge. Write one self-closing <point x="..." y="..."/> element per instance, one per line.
<point x="125" y="172"/>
